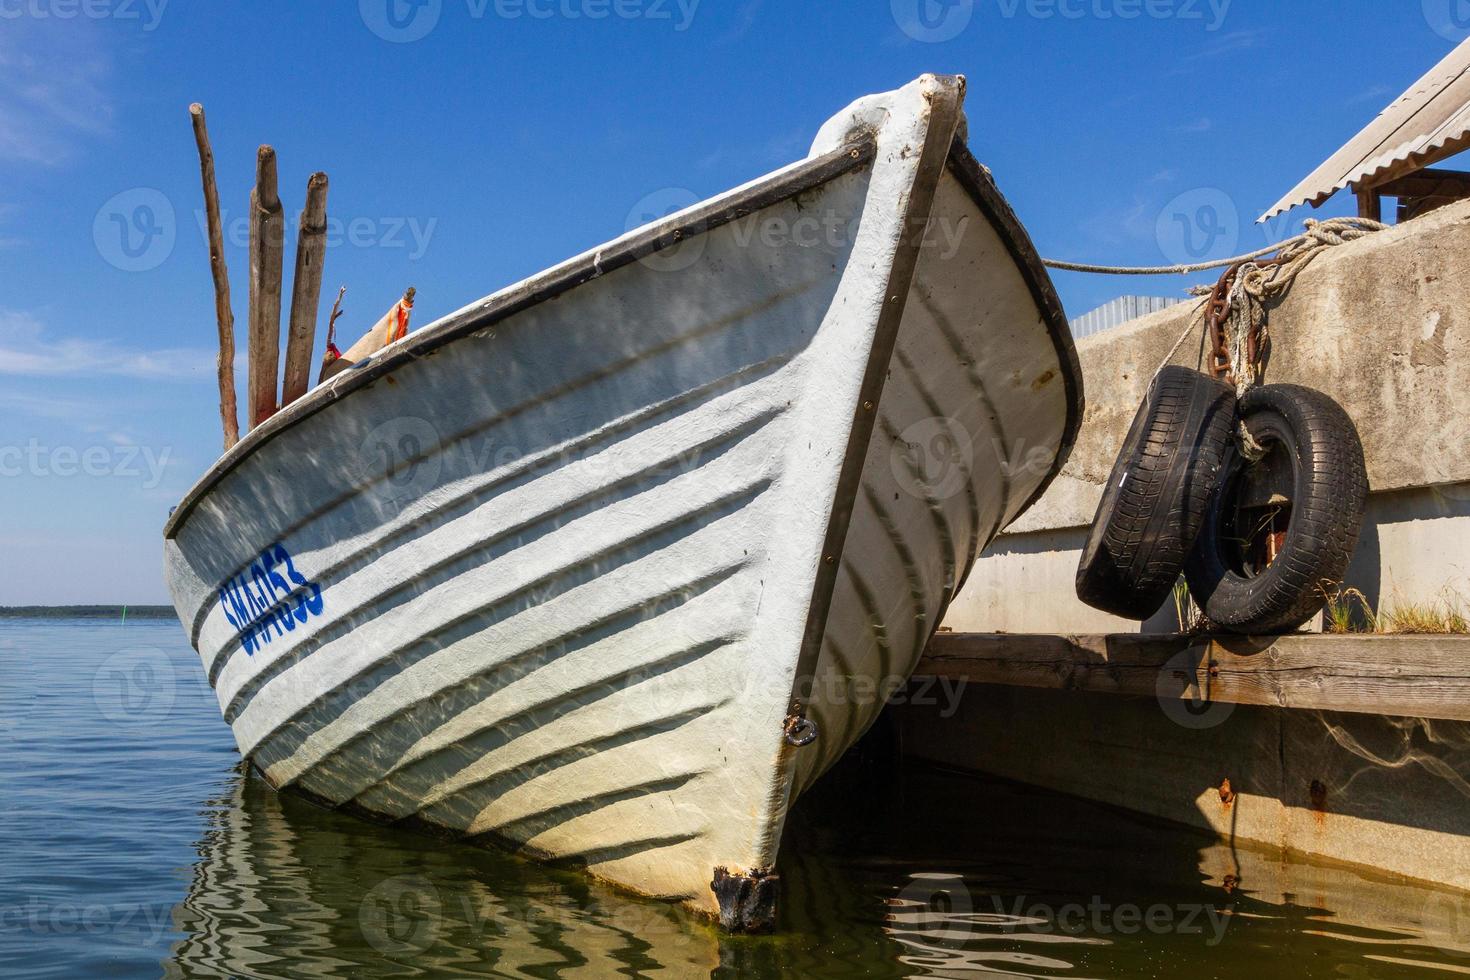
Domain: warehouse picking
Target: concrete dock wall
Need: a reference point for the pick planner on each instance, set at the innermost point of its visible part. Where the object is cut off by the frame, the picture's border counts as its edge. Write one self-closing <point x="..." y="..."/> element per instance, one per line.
<point x="1324" y="767"/>
<point x="1384" y="792"/>
<point x="1383" y="326"/>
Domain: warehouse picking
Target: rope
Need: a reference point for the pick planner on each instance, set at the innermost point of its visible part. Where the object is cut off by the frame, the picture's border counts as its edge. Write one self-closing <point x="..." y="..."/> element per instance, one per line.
<point x="1178" y="270"/>
<point x="1155" y="270"/>
<point x="1258" y="284"/>
<point x="1194" y="324"/>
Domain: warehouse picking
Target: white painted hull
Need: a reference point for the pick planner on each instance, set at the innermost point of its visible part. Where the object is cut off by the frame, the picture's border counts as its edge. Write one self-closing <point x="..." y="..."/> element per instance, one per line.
<point x="557" y="570"/>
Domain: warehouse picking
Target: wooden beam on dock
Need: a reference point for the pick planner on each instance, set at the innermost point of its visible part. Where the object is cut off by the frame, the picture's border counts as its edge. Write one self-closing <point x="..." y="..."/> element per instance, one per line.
<point x="1401" y="676"/>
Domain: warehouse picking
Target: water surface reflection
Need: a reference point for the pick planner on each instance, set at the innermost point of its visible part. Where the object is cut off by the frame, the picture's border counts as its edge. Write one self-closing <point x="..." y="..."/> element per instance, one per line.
<point x="285" y="889"/>
<point x="944" y="876"/>
<point x="134" y="843"/>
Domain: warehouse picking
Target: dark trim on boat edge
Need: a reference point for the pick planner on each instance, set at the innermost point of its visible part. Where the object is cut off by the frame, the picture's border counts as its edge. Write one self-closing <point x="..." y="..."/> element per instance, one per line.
<point x="798" y="179"/>
<point x="944" y="121"/>
<point x="977" y="181"/>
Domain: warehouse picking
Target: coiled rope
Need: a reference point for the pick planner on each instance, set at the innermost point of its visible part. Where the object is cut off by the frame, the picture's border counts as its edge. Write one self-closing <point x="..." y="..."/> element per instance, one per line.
<point x="1255" y="285"/>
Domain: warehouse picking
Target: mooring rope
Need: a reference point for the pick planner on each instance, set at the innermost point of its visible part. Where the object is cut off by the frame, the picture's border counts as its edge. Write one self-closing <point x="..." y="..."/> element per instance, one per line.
<point x="1256" y="284"/>
<point x="1314" y="230"/>
<point x="1155" y="270"/>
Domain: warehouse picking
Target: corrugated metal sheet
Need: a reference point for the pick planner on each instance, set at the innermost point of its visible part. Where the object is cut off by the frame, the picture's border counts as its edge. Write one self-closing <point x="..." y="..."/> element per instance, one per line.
<point x="1119" y="312"/>
<point x="1428" y="122"/>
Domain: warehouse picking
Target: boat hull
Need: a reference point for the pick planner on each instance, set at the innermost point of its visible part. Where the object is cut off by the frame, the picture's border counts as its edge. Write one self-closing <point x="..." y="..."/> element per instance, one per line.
<point x="567" y="570"/>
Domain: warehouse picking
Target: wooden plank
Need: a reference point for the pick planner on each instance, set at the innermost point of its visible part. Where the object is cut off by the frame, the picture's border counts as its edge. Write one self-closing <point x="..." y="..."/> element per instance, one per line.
<point x="1419" y="161"/>
<point x="267" y="251"/>
<point x="391" y="326"/>
<point x="224" y="316"/>
<point x="1427" y="183"/>
<point x="1401" y="676"/>
<point x="306" y="290"/>
<point x="1370" y="205"/>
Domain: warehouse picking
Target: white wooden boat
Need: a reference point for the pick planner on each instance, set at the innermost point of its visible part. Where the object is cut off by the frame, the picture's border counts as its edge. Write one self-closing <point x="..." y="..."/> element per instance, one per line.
<point x="611" y="565"/>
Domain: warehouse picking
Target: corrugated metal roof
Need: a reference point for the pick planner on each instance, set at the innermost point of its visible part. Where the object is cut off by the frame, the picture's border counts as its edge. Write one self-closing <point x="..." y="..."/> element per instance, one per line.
<point x="1429" y="121"/>
<point x="1120" y="311"/>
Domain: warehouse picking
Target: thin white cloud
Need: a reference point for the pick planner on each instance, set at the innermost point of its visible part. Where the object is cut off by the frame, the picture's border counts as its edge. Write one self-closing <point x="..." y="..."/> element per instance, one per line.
<point x="744" y="21"/>
<point x="1230" y="43"/>
<point x="1375" y="94"/>
<point x="1119" y="226"/>
<point x="46" y="406"/>
<point x="1201" y="125"/>
<point x="53" y="88"/>
<point x="1223" y="44"/>
<point x="26" y="351"/>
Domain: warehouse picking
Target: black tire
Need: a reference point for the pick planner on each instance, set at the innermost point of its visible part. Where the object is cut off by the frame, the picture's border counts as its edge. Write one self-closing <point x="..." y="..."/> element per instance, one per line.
<point x="1154" y="503"/>
<point x="1314" y="440"/>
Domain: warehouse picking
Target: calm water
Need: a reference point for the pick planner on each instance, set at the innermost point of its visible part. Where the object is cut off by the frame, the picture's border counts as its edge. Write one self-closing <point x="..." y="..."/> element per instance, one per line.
<point x="133" y="844"/>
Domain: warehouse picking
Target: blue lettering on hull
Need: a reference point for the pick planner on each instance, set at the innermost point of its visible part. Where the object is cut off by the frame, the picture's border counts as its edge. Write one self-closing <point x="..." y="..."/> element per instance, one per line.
<point x="269" y="599"/>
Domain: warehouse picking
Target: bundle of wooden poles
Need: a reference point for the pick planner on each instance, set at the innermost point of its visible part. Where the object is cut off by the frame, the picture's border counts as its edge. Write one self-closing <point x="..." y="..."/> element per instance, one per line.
<point x="266" y="391"/>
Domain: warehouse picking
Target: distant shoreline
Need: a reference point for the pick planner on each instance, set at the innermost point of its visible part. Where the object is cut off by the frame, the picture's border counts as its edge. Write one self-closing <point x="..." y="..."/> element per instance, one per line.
<point x="87" y="612"/>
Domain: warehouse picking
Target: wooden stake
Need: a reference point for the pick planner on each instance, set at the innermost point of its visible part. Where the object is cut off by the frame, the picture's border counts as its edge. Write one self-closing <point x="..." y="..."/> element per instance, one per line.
<point x="229" y="411"/>
<point x="331" y="354"/>
<point x="336" y="312"/>
<point x="306" y="290"/>
<point x="267" y="249"/>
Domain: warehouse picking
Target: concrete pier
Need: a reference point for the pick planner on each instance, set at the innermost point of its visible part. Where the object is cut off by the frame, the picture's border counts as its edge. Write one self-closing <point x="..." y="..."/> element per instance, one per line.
<point x="1346" y="749"/>
<point x="1182" y="729"/>
<point x="1382" y="326"/>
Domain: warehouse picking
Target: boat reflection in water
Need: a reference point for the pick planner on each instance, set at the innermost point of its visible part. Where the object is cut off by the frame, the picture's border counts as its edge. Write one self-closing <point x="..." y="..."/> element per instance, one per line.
<point x="916" y="873"/>
<point x="285" y="889"/>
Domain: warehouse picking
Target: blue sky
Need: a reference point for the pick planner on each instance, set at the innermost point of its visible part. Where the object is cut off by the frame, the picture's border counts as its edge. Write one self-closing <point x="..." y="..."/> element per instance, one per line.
<point x="514" y="133"/>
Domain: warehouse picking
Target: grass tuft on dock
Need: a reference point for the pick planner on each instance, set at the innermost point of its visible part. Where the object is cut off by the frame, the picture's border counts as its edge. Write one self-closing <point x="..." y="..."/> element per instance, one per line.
<point x="1349" y="611"/>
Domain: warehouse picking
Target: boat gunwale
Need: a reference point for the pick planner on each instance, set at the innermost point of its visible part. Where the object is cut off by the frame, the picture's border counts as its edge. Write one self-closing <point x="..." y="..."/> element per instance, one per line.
<point x="764" y="192"/>
<point x="789" y="182"/>
<point x="944" y="110"/>
<point x="977" y="181"/>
